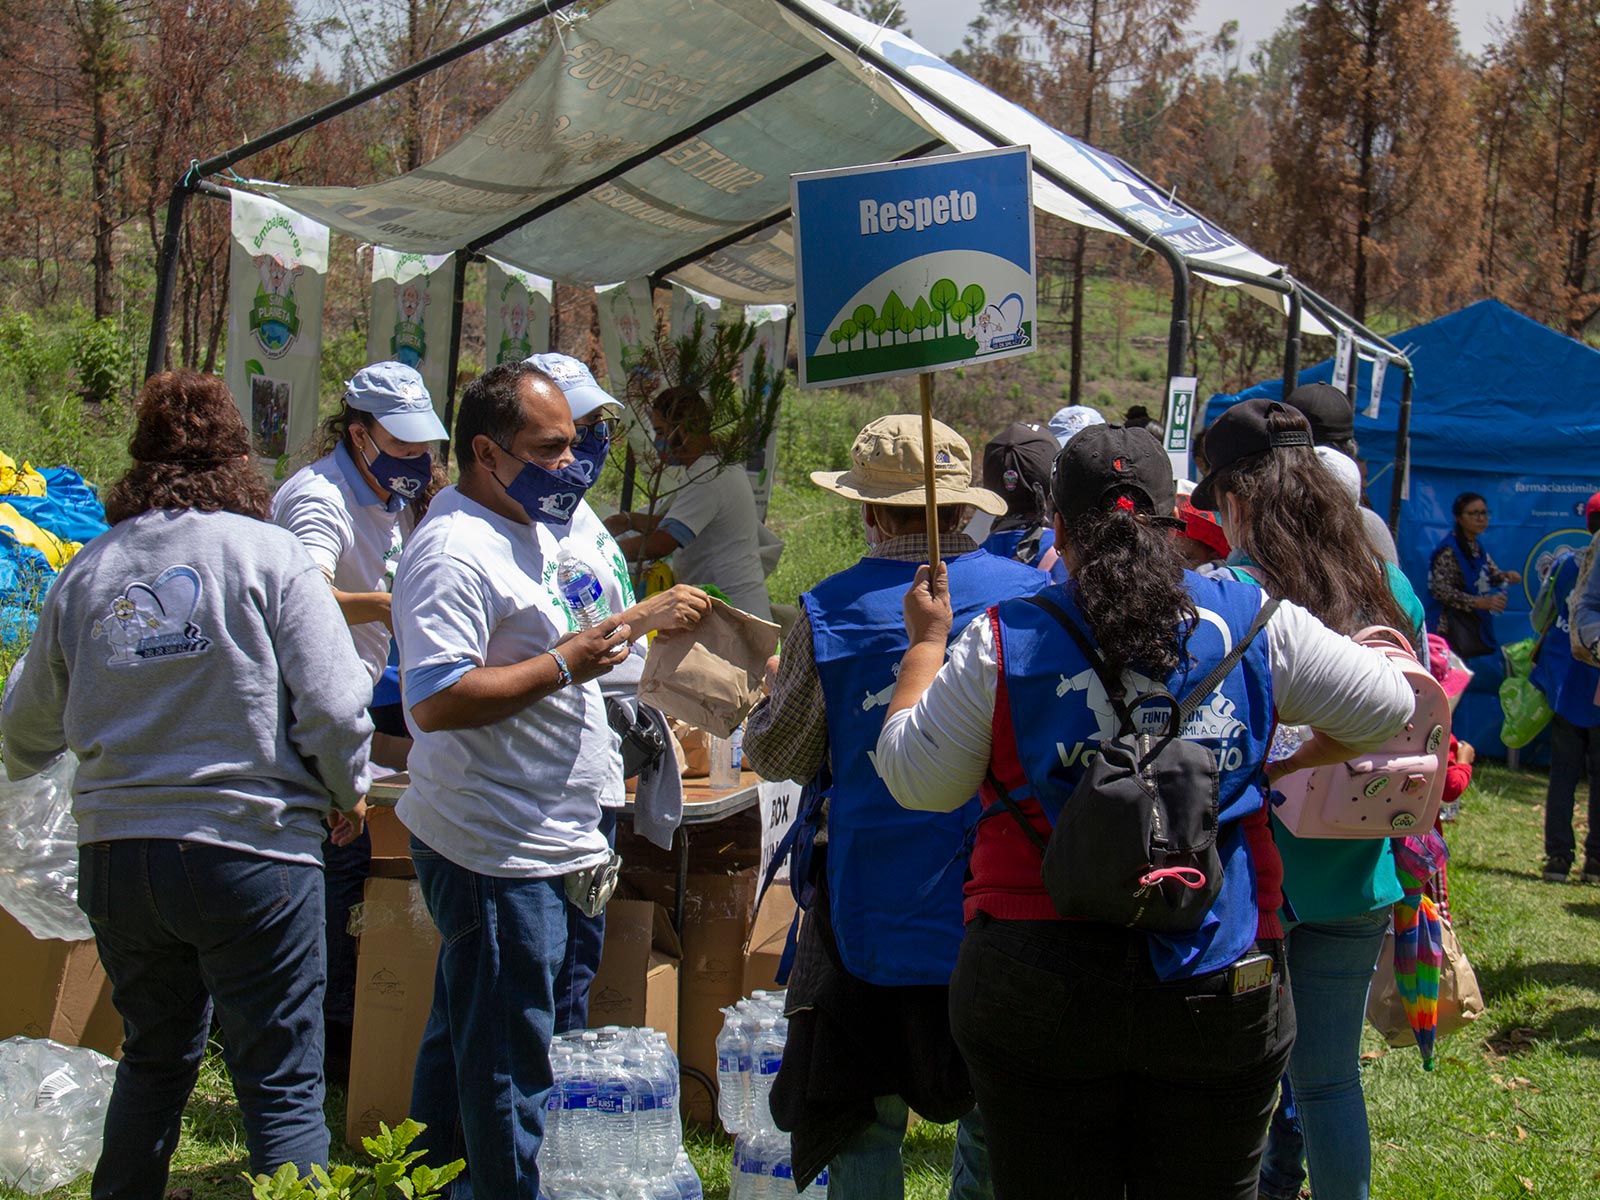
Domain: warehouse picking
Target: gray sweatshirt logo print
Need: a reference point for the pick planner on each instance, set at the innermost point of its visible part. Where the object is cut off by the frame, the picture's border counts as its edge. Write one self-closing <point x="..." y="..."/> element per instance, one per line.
<point x="154" y="620"/>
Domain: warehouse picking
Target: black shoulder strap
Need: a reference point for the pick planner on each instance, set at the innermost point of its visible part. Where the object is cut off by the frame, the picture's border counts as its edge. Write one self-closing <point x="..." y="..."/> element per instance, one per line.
<point x="1209" y="684"/>
<point x="1015" y="810"/>
<point x="1114" y="691"/>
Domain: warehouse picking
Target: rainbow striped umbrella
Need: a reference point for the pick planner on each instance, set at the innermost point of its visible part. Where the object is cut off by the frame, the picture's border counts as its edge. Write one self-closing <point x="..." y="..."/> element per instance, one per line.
<point x="1419" y="937"/>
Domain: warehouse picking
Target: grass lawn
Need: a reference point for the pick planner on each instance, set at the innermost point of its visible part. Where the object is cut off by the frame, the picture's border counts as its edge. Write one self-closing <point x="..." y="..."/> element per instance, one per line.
<point x="1508" y="1112"/>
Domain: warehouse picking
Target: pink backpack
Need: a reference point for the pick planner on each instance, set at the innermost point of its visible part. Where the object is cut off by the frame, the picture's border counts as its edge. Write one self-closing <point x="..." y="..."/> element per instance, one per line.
<point x="1392" y="791"/>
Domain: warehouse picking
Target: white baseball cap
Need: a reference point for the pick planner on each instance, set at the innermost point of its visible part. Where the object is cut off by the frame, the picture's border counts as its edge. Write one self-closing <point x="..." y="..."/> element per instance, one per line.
<point x="395" y="394"/>
<point x="583" y="394"/>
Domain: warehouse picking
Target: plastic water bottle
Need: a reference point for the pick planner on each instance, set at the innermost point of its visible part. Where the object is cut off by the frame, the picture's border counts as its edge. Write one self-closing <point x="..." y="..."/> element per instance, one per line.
<point x="766" y="1057"/>
<point x="581" y="589"/>
<point x="579" y="1135"/>
<point x="553" y="1153"/>
<point x="616" y="1100"/>
<point x="747" y="1176"/>
<point x="819" y="1187"/>
<point x="655" y="1112"/>
<point x="733" y="1071"/>
<point x="686" y="1178"/>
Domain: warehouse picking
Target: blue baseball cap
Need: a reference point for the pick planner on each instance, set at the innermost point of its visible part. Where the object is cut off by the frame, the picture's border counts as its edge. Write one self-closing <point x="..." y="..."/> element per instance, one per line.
<point x="1073" y="420"/>
<point x="583" y="394"/>
<point x="395" y="394"/>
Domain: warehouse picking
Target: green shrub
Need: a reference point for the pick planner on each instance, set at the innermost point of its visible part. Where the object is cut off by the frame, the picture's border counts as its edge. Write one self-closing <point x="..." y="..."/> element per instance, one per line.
<point x="102" y="356"/>
<point x="395" y="1169"/>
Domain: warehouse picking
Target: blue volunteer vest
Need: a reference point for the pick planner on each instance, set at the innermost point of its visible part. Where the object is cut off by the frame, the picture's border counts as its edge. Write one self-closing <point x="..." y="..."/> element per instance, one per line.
<point x="1059" y="714"/>
<point x="1569" y="685"/>
<point x="894" y="876"/>
<point x="1004" y="545"/>
<point x="1475" y="580"/>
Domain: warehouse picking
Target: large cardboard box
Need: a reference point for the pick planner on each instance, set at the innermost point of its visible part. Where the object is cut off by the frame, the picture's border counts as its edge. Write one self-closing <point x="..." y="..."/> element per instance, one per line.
<point x="394" y="991"/>
<point x="637" y="983"/>
<point x="391" y="844"/>
<point x="768" y="936"/>
<point x="54" y="989"/>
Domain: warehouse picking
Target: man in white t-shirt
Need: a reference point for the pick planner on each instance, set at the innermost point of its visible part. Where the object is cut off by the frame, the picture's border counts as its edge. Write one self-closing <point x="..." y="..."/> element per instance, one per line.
<point x="512" y="761"/>
<point x="711" y="530"/>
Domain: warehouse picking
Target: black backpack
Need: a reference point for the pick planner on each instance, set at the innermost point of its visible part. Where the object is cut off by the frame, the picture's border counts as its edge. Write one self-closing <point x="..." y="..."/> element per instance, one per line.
<point x="1136" y="842"/>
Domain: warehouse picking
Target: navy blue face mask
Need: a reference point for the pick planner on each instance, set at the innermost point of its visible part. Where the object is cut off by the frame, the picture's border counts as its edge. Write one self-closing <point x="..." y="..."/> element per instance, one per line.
<point x="592" y="450"/>
<point x="549" y="497"/>
<point x="404" y="477"/>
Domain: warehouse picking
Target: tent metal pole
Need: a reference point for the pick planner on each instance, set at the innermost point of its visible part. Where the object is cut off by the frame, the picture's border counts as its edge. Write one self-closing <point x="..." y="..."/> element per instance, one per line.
<point x="155" y="355"/>
<point x="1178" y="333"/>
<point x="1402" y="452"/>
<point x="167" y="264"/>
<point x="458" y="295"/>
<point x="675" y="139"/>
<point x="1291" y="344"/>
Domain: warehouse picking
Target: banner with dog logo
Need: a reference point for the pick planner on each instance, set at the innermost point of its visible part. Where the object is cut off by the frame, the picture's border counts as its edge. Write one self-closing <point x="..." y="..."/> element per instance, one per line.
<point x="279" y="269"/>
<point x="411" y="296"/>
<point x="517" y="315"/>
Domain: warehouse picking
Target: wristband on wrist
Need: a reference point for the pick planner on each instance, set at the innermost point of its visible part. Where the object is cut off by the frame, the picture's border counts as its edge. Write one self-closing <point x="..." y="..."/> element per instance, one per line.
<point x="563" y="672"/>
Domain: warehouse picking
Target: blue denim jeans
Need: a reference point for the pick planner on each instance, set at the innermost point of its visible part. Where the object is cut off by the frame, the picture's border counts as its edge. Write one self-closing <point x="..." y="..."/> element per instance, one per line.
<point x="870" y="1167"/>
<point x="345" y="870"/>
<point x="483" y="1071"/>
<point x="586" y="937"/>
<point x="182" y="926"/>
<point x="1330" y="970"/>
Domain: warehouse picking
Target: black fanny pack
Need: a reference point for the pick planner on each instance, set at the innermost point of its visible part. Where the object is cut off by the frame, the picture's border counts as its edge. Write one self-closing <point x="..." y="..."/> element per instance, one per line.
<point x="642" y="741"/>
<point x="1136" y="841"/>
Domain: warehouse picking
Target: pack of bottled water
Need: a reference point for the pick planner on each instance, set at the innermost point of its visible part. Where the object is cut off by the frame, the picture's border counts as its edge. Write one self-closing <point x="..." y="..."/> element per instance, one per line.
<point x="749" y="1053"/>
<point x="611" y="1124"/>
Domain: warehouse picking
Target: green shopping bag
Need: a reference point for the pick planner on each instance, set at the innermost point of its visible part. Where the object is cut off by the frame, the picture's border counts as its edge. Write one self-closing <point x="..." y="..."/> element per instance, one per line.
<point x="1526" y="712"/>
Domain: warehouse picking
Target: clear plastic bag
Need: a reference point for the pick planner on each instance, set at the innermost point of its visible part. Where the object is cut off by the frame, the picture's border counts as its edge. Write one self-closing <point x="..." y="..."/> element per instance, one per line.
<point x="39" y="853"/>
<point x="53" y="1102"/>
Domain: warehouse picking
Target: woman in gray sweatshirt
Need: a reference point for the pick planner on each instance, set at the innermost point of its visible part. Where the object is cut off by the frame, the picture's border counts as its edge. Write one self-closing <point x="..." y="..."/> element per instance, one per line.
<point x="195" y="661"/>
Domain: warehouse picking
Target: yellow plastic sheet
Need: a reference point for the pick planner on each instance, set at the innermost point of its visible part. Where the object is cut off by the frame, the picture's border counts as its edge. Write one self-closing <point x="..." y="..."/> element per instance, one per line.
<point x="59" y="552"/>
<point x="24" y="481"/>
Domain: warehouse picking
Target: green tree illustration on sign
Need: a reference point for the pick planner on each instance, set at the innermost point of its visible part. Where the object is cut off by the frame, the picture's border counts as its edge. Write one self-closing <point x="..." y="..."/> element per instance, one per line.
<point x="849" y="331"/>
<point x="921" y="315"/>
<point x="942" y="296"/>
<point x="906" y="322"/>
<point x="973" y="297"/>
<point x="863" y="317"/>
<point x="893" y="306"/>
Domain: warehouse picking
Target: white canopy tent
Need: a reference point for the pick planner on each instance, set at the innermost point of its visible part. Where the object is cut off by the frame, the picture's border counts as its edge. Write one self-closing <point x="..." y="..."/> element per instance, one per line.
<point x="656" y="138"/>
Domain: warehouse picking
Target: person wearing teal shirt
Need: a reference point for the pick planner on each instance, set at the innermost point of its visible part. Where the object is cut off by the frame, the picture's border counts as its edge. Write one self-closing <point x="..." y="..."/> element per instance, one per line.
<point x="1290" y="518"/>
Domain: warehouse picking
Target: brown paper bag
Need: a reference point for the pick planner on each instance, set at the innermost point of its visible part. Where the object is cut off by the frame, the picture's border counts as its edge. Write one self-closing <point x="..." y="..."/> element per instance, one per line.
<point x="694" y="749"/>
<point x="711" y="677"/>
<point x="1460" y="997"/>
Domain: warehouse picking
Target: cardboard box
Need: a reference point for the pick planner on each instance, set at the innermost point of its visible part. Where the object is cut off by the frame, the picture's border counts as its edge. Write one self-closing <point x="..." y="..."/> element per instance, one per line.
<point x="55" y="989"/>
<point x="768" y="936"/>
<point x="394" y="991"/>
<point x="637" y="983"/>
<point x="391" y="844"/>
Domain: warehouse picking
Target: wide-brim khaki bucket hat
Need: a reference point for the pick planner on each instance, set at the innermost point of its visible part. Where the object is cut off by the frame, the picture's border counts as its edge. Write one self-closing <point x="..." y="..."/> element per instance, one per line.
<point x="889" y="467"/>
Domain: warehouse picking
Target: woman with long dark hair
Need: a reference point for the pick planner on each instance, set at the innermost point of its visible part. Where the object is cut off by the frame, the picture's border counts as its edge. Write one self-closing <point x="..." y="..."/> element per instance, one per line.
<point x="1111" y="1061"/>
<point x="1464" y="583"/>
<point x="195" y="661"/>
<point x="1301" y="539"/>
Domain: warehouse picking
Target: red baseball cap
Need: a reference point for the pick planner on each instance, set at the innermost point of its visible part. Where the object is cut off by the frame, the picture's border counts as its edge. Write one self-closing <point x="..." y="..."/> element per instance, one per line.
<point x="1202" y="527"/>
<point x="1592" y="507"/>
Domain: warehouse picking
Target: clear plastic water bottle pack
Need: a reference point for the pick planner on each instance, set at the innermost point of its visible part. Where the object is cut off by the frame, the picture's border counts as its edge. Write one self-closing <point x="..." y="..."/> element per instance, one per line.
<point x="611" y="1125"/>
<point x="749" y="1053"/>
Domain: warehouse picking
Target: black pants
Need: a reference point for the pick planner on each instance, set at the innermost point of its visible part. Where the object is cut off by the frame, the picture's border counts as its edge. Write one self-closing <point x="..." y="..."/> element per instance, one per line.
<point x="1096" y="1080"/>
<point x="1574" y="756"/>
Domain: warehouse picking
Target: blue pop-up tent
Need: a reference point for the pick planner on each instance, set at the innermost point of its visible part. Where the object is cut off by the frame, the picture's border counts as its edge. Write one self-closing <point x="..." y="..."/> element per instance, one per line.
<point x="1503" y="406"/>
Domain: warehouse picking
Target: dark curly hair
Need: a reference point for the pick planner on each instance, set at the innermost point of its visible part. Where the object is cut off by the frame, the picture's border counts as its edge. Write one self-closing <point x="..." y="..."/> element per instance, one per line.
<point x="1128" y="583"/>
<point x="1306" y="536"/>
<point x="190" y="451"/>
<point x="336" y="430"/>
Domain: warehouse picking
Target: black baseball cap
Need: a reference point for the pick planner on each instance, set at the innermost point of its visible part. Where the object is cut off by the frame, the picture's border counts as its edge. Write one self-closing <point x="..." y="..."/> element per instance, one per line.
<point x="1106" y="458"/>
<point x="1016" y="466"/>
<point x="1241" y="432"/>
<point x="1332" y="416"/>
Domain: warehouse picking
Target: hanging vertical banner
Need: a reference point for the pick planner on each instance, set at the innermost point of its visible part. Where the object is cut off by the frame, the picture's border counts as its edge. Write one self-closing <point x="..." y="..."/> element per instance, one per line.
<point x="1341" y="362"/>
<point x="686" y="302"/>
<point x="1180" y="422"/>
<point x="771" y="322"/>
<point x="411" y="315"/>
<point x="278" y="272"/>
<point x="517" y="314"/>
<point x="1380" y="367"/>
<point x="627" y="322"/>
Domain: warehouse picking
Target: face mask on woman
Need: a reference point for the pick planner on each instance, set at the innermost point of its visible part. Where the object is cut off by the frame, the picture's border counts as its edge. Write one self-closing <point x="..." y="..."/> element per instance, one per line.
<point x="549" y="497"/>
<point x="592" y="450"/>
<point x="405" y="477"/>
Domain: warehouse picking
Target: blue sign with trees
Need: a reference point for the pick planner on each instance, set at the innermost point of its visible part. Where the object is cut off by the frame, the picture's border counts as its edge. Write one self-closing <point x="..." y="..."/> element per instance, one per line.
<point x="909" y="267"/>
